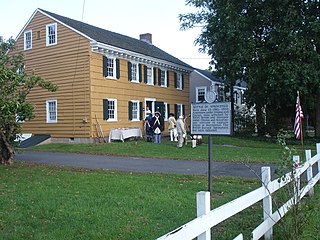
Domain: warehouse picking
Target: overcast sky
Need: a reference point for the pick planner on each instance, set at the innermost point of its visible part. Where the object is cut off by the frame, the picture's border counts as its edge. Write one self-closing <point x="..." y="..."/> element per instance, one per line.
<point x="128" y="17"/>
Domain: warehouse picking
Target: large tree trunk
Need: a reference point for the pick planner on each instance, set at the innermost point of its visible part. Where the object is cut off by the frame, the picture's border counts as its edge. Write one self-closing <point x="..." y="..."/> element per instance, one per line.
<point x="317" y="108"/>
<point x="7" y="150"/>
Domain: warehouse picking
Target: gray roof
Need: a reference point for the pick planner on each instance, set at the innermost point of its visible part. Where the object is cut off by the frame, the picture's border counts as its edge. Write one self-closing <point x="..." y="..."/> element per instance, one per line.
<point x="117" y="40"/>
<point x="210" y="75"/>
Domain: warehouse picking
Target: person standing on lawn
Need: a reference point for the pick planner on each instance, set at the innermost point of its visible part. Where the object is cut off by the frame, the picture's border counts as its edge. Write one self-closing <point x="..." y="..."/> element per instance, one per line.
<point x="157" y="124"/>
<point x="172" y="128"/>
<point x="181" y="129"/>
<point x="149" y="130"/>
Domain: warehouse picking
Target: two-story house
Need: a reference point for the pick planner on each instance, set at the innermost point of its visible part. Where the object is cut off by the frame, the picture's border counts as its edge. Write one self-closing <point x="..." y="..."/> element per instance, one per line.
<point x="102" y="76"/>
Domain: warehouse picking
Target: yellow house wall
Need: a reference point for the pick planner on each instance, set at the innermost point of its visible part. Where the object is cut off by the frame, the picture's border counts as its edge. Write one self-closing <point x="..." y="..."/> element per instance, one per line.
<point x="125" y="91"/>
<point x="67" y="65"/>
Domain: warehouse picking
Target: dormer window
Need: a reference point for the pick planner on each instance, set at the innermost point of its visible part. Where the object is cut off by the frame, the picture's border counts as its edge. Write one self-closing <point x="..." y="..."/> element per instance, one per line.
<point x="28" y="40"/>
<point x="51" y="34"/>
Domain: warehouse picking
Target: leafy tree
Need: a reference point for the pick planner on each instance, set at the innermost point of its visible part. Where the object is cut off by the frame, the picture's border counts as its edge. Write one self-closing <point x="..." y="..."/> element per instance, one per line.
<point x="273" y="45"/>
<point x="15" y="85"/>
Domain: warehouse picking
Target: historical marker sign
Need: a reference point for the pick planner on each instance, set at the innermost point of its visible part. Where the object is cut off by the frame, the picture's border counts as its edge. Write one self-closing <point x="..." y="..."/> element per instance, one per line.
<point x="211" y="118"/>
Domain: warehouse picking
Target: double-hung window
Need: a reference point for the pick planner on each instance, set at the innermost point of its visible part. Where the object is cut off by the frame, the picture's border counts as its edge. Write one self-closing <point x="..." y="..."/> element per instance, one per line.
<point x="110" y="109"/>
<point x="162" y="78"/>
<point x="111" y="67"/>
<point x="51" y="34"/>
<point x="150" y="75"/>
<point x="51" y="109"/>
<point x="135" y="110"/>
<point x="28" y="40"/>
<point x="200" y="94"/>
<point x="178" y="81"/>
<point x="179" y="110"/>
<point x="133" y="72"/>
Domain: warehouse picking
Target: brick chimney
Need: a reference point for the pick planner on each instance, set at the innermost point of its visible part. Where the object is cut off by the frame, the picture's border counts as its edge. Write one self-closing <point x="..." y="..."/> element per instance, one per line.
<point x="147" y="37"/>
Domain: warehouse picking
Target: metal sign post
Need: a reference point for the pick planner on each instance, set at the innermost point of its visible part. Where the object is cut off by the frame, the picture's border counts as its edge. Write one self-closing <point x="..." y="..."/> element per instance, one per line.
<point x="211" y="119"/>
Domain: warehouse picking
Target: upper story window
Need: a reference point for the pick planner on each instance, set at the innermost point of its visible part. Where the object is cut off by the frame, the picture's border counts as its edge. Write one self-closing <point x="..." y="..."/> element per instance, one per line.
<point x="150" y="75"/>
<point x="51" y="34"/>
<point x="178" y="80"/>
<point x="111" y="68"/>
<point x="28" y="40"/>
<point x="162" y="75"/>
<point x="200" y="94"/>
<point x="134" y="72"/>
<point x="110" y="109"/>
<point x="51" y="111"/>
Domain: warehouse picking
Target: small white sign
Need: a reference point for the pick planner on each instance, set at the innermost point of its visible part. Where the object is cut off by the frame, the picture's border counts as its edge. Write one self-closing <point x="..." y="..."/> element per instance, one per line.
<point x="211" y="118"/>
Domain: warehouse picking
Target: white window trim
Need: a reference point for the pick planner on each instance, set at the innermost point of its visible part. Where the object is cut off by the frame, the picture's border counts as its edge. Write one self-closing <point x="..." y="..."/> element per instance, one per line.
<point x="25" y="40"/>
<point x="47" y="34"/>
<point x="137" y="72"/>
<point x="152" y="77"/>
<point x="197" y="92"/>
<point x="48" y="120"/>
<point x="165" y="78"/>
<point x="114" y="77"/>
<point x="166" y="113"/>
<point x="138" y="111"/>
<point x="180" y="105"/>
<point x="179" y="77"/>
<point x="115" y="119"/>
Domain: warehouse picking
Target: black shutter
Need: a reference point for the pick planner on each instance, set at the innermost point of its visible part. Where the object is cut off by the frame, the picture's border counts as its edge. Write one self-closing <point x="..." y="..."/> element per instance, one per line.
<point x="176" y="111"/>
<point x="175" y="79"/>
<point x="168" y="79"/>
<point x="145" y="73"/>
<point x="105" y="109"/>
<point x="130" y="110"/>
<point x="129" y="71"/>
<point x="154" y="76"/>
<point x="182" y="81"/>
<point x="117" y="68"/>
<point x="159" y="76"/>
<point x="140" y="72"/>
<point x="104" y="66"/>
<point x="183" y="110"/>
<point x="141" y="111"/>
<point x="168" y="108"/>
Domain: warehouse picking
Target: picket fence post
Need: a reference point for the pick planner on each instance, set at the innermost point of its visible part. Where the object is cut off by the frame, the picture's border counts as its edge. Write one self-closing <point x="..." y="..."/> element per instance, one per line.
<point x="296" y="179"/>
<point x="267" y="201"/>
<point x="309" y="171"/>
<point x="203" y="207"/>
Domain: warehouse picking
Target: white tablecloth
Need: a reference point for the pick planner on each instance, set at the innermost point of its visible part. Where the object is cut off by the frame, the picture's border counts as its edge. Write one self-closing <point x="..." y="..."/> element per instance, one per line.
<point x="124" y="133"/>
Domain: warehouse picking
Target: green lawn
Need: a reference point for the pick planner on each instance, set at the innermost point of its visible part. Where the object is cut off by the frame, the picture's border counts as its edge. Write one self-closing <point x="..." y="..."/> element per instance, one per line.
<point x="224" y="149"/>
<point x="47" y="202"/>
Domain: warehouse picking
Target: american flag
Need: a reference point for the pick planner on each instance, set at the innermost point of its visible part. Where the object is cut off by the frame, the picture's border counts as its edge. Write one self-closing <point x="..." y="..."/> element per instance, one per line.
<point x="298" y="119"/>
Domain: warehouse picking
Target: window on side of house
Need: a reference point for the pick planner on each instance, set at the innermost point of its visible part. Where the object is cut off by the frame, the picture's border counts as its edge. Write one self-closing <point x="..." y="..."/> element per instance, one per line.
<point x="111" y="68"/>
<point x="166" y="111"/>
<point x="162" y="75"/>
<point x="150" y="77"/>
<point x="134" y="72"/>
<point x="110" y="110"/>
<point x="200" y="94"/>
<point x="135" y="110"/>
<point x="178" y="80"/>
<point x="52" y="111"/>
<point x="179" y="109"/>
<point x="28" y="40"/>
<point x="51" y="34"/>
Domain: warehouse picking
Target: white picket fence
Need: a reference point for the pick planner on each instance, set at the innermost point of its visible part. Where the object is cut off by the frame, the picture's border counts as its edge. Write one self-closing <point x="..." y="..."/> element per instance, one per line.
<point x="206" y="219"/>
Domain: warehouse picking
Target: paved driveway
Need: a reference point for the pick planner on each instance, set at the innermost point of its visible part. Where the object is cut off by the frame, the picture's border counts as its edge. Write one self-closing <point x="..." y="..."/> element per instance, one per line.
<point x="140" y="164"/>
